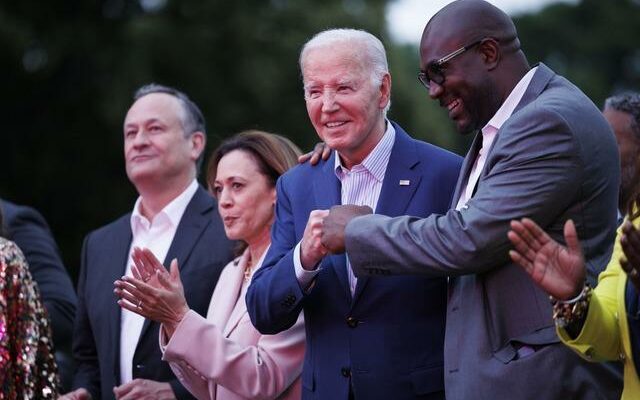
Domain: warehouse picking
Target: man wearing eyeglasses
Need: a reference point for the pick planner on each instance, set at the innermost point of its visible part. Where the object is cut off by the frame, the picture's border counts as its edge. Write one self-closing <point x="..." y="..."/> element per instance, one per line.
<point x="542" y="150"/>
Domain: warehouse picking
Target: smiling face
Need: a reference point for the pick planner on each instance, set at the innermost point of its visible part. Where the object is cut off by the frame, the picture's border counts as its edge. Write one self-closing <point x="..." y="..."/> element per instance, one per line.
<point x="245" y="196"/>
<point x="156" y="149"/>
<point x="467" y="92"/>
<point x="345" y="108"/>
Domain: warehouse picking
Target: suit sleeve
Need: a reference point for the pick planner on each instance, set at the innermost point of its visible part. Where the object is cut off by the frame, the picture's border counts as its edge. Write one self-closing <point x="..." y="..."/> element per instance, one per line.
<point x="532" y="171"/>
<point x="274" y="298"/>
<point x="28" y="229"/>
<point x="84" y="347"/>
<point x="260" y="371"/>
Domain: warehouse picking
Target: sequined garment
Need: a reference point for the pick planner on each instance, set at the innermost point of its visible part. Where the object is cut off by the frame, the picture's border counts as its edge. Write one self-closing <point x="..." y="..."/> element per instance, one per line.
<point x="27" y="366"/>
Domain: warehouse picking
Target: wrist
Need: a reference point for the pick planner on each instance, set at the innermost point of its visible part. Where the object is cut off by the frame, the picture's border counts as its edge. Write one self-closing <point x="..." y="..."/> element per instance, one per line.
<point x="571" y="314"/>
<point x="308" y="263"/>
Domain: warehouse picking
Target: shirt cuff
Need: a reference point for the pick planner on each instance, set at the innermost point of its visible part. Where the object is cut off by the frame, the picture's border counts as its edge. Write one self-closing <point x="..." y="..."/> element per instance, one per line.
<point x="305" y="278"/>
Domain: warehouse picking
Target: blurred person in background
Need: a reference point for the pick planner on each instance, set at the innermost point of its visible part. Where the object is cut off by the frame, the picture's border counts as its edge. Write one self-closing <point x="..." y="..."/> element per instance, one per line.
<point x="622" y="111"/>
<point x="28" y="229"/>
<point x="223" y="356"/>
<point x="27" y="364"/>
<point x="603" y="324"/>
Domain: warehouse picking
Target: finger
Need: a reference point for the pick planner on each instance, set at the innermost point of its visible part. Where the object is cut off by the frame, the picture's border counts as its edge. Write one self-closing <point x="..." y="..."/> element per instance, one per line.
<point x="632" y="273"/>
<point x="633" y="237"/>
<point x="315" y="157"/>
<point x="167" y="283"/>
<point x="533" y="234"/>
<point x="326" y="153"/>
<point x="123" y="294"/>
<point x="524" y="248"/>
<point x="571" y="237"/>
<point x="318" y="214"/>
<point x="521" y="261"/>
<point x="141" y="262"/>
<point x="152" y="261"/>
<point x="136" y="287"/>
<point x="627" y="227"/>
<point x="131" y="390"/>
<point x="123" y="389"/>
<point x="318" y="152"/>
<point x="136" y="273"/>
<point x="631" y="253"/>
<point x="536" y="231"/>
<point x="134" y="309"/>
<point x="303" y="158"/>
<point x="174" y="272"/>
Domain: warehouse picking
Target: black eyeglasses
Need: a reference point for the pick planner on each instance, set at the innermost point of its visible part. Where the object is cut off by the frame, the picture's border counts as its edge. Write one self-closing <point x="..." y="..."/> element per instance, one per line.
<point x="435" y="70"/>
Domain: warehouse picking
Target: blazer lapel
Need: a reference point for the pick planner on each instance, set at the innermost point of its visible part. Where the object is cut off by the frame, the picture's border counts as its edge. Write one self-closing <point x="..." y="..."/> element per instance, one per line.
<point x="538" y="83"/>
<point x="401" y="181"/>
<point x="467" y="164"/>
<point x="117" y="266"/>
<point x="326" y="189"/>
<point x="221" y="304"/>
<point x="195" y="219"/>
<point x="226" y="314"/>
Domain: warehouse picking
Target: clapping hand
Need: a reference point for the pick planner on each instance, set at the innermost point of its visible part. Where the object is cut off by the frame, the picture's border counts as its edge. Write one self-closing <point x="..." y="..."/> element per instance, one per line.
<point x="153" y="292"/>
<point x="557" y="269"/>
<point x="630" y="263"/>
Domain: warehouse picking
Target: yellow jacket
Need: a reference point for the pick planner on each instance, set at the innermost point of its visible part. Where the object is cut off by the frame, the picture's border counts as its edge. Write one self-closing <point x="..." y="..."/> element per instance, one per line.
<point x="605" y="335"/>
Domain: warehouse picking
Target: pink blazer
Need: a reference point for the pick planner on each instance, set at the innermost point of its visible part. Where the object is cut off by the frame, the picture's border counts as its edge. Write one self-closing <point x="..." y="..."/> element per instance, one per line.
<point x="223" y="357"/>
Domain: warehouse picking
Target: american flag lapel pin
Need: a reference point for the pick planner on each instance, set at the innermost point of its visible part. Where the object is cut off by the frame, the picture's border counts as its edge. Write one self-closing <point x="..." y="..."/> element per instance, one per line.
<point x="404" y="182"/>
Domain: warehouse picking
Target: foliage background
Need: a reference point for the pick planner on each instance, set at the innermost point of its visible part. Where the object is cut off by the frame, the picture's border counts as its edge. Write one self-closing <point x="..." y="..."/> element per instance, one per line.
<point x="68" y="70"/>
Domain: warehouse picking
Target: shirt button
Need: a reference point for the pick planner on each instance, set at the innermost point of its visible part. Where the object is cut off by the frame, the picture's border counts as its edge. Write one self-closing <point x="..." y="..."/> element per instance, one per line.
<point x="346" y="372"/>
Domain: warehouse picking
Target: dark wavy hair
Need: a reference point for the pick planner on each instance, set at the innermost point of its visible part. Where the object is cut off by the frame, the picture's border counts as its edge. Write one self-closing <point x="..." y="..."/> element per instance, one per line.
<point x="273" y="154"/>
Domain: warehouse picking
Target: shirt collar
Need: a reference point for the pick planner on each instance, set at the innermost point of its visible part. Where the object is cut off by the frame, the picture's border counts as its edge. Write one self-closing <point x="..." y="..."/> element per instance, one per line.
<point x="172" y="211"/>
<point x="506" y="109"/>
<point x="376" y="161"/>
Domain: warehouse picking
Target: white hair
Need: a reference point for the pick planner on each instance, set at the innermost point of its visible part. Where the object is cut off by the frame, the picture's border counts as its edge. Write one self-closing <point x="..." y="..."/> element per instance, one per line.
<point x="367" y="48"/>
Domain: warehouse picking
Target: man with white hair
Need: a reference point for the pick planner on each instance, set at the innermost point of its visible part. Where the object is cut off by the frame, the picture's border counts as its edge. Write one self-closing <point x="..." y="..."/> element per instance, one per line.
<point x="366" y="338"/>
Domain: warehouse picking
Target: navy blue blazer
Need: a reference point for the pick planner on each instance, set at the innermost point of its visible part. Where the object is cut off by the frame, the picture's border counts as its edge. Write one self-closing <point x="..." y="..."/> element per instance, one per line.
<point x="202" y="250"/>
<point x="388" y="339"/>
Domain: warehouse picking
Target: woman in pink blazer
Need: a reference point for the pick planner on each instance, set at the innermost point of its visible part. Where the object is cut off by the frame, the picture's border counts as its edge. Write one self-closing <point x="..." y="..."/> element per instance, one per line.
<point x="224" y="357"/>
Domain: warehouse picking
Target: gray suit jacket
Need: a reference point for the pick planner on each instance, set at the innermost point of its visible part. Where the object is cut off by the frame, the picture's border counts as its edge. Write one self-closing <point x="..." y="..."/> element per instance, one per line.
<point x="555" y="158"/>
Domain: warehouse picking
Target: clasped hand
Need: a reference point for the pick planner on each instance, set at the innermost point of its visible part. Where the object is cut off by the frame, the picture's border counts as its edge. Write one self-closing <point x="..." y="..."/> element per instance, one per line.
<point x="153" y="292"/>
<point x="324" y="232"/>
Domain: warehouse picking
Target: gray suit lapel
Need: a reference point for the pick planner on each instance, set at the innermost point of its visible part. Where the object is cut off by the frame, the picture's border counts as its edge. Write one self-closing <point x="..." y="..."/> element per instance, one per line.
<point x="467" y="164"/>
<point x="538" y="83"/>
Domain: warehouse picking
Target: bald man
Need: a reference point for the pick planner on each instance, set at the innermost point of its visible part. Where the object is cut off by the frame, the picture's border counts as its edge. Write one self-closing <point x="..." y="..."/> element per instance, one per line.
<point x="542" y="150"/>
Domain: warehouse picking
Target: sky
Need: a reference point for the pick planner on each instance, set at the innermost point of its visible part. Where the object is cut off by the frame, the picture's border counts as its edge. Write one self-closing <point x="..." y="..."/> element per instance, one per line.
<point x="406" y="18"/>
